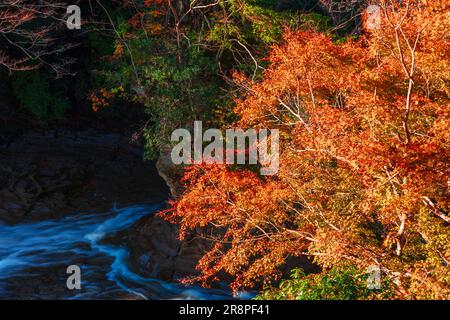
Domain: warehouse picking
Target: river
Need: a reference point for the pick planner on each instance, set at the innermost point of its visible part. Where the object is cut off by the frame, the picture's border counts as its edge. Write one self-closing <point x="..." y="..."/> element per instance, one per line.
<point x="34" y="257"/>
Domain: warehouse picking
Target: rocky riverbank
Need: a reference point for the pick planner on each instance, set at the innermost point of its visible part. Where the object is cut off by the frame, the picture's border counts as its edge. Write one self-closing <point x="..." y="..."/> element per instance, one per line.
<point x="49" y="175"/>
<point x="52" y="174"/>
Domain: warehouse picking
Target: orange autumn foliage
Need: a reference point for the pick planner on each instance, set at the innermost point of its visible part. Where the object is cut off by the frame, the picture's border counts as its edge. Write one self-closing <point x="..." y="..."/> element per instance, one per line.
<point x="364" y="160"/>
<point x="101" y="98"/>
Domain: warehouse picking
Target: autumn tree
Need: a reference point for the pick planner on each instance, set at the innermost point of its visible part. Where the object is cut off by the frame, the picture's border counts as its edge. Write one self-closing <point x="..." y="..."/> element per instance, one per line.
<point x="27" y="30"/>
<point x="176" y="57"/>
<point x="364" y="157"/>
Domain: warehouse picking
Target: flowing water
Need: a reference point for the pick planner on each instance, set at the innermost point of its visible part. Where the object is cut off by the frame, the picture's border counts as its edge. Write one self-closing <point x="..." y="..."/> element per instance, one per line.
<point x="34" y="258"/>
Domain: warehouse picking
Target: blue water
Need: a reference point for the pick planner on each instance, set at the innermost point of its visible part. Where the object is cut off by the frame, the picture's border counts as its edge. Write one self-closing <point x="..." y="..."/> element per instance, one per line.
<point x="34" y="257"/>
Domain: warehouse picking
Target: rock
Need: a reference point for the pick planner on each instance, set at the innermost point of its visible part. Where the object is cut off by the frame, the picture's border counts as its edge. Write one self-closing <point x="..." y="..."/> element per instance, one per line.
<point x="169" y="258"/>
<point x="72" y="172"/>
<point x="170" y="172"/>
